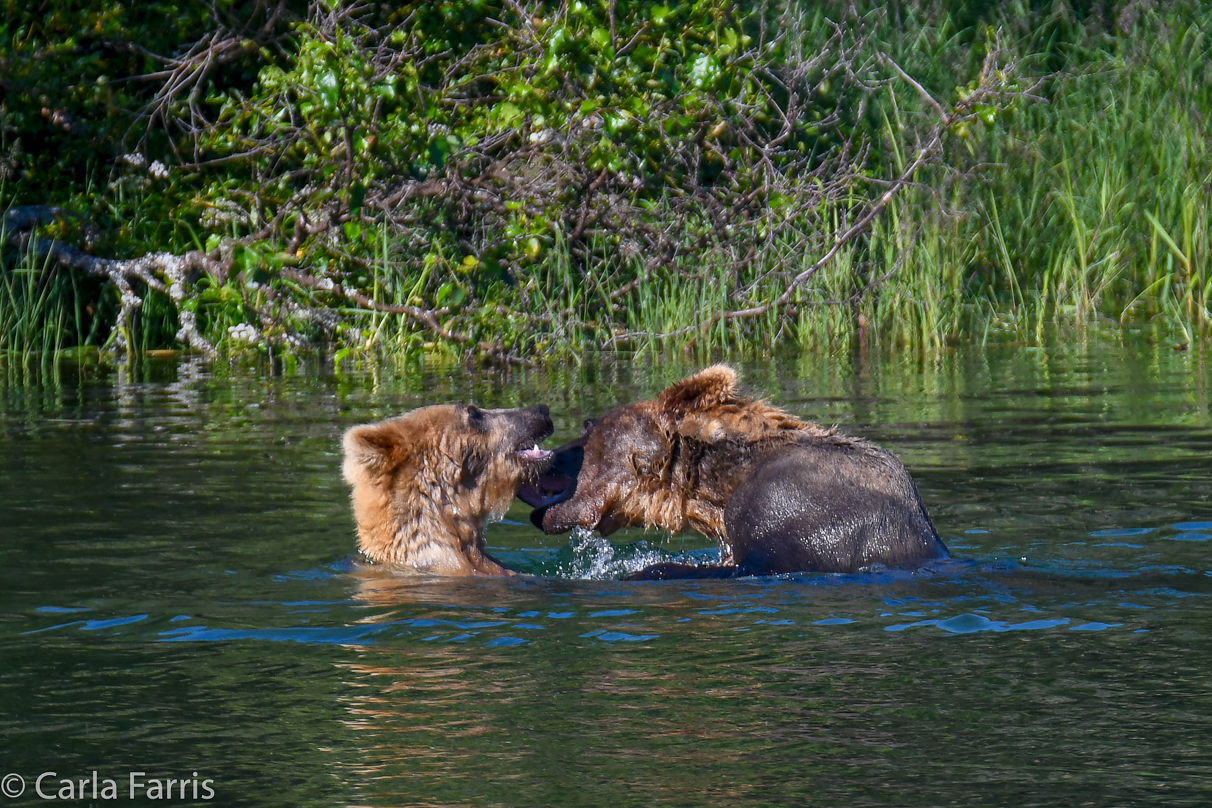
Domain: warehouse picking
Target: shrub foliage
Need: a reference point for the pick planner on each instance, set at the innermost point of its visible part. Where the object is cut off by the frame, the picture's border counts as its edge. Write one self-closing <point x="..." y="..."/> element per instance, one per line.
<point x="525" y="178"/>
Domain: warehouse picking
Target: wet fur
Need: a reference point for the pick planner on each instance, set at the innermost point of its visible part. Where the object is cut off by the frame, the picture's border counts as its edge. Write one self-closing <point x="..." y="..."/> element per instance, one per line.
<point x="709" y="438"/>
<point x="679" y="460"/>
<point x="426" y="484"/>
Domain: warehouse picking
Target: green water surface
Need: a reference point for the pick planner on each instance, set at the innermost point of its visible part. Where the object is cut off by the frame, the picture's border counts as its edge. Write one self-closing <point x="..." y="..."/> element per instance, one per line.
<point x="177" y="596"/>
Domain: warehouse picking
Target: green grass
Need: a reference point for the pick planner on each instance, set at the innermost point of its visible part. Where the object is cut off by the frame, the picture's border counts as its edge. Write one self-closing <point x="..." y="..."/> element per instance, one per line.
<point x="1091" y="211"/>
<point x="39" y="311"/>
<point x="1099" y="204"/>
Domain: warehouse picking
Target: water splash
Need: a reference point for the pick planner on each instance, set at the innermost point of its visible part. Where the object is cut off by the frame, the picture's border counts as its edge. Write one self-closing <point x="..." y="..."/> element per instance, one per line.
<point x="593" y="557"/>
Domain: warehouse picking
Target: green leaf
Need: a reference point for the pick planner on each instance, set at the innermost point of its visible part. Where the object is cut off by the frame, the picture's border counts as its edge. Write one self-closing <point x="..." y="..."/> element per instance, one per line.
<point x="450" y="294"/>
<point x="704" y="71"/>
<point x="386" y="89"/>
<point x="356" y="196"/>
<point x="327" y="88"/>
<point x="508" y="113"/>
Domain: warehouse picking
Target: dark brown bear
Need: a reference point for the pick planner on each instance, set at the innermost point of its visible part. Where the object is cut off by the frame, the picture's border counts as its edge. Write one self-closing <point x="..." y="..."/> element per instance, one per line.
<point x="779" y="494"/>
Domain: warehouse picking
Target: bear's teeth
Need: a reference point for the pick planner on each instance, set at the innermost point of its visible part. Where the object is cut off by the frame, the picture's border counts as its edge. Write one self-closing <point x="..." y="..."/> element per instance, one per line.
<point x="534" y="454"/>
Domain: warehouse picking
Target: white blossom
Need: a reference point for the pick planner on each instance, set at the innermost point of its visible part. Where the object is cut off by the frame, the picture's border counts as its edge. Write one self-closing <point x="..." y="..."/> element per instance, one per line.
<point x="244" y="333"/>
<point x="220" y="213"/>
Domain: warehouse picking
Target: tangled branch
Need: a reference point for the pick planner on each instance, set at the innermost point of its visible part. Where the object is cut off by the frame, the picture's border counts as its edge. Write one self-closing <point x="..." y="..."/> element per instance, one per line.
<point x="992" y="87"/>
<point x="538" y="173"/>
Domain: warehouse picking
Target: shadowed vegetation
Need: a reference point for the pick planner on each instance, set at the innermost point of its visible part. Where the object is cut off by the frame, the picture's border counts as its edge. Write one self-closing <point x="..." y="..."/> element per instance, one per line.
<point x="529" y="180"/>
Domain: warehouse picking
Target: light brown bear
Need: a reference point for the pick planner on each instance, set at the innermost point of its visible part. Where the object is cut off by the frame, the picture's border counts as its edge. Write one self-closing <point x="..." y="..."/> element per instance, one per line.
<point x="426" y="484"/>
<point x="779" y="494"/>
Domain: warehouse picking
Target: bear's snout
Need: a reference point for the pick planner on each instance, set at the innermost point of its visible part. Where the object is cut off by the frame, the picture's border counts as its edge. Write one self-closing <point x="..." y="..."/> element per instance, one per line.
<point x="528" y="425"/>
<point x="544" y="413"/>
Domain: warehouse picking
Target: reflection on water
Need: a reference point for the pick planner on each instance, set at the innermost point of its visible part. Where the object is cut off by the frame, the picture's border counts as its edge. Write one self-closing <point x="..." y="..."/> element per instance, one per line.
<point x="178" y="594"/>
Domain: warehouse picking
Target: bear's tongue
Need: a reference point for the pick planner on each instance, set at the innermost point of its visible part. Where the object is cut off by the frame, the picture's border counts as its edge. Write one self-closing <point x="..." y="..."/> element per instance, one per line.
<point x="534" y="497"/>
<point x="534" y="454"/>
<point x="547" y="490"/>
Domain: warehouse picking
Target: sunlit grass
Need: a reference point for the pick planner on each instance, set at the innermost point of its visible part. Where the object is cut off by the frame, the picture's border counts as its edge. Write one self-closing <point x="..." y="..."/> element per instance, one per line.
<point x="1093" y="210"/>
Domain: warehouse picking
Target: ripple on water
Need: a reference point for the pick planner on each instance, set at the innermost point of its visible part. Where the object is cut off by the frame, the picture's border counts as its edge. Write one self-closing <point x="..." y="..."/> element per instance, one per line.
<point x="505" y="641"/>
<point x="222" y="532"/>
<point x="1185" y="526"/>
<point x="617" y="636"/>
<point x="969" y="623"/>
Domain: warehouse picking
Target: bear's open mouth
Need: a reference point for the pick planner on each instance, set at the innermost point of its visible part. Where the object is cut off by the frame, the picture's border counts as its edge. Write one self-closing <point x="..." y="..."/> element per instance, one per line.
<point x="557" y="483"/>
<point x="535" y="455"/>
<point x="547" y="490"/>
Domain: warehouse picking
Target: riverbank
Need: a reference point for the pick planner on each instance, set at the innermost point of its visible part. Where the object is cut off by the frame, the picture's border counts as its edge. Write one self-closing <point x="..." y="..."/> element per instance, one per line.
<point x="534" y="187"/>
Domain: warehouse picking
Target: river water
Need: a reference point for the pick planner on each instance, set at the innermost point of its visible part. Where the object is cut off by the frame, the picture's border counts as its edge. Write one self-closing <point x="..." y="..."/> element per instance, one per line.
<point x="178" y="597"/>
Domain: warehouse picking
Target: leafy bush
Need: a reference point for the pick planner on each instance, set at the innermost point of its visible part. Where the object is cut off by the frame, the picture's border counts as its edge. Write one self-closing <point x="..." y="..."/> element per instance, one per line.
<point x="533" y="177"/>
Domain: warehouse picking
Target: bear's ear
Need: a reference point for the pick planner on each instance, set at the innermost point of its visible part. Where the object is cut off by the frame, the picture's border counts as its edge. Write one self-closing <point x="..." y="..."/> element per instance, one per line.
<point x="373" y="448"/>
<point x="704" y="390"/>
